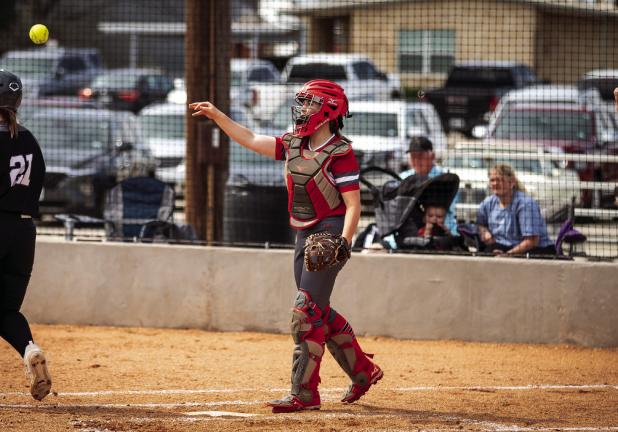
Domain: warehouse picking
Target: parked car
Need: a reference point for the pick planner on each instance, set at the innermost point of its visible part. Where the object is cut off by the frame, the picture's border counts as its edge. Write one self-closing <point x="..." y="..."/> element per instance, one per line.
<point x="568" y="128"/>
<point x="357" y="73"/>
<point x="552" y="185"/>
<point x="52" y="71"/>
<point x="244" y="73"/>
<point x="128" y="89"/>
<point x="473" y="89"/>
<point x="163" y="127"/>
<point x="381" y="131"/>
<point x="87" y="151"/>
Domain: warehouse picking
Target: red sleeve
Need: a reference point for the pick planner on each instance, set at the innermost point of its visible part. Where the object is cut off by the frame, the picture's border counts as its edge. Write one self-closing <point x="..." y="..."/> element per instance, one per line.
<point x="345" y="172"/>
<point x="280" y="148"/>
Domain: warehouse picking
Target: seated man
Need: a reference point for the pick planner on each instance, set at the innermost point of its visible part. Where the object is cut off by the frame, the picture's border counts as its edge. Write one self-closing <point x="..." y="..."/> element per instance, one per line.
<point x="421" y="160"/>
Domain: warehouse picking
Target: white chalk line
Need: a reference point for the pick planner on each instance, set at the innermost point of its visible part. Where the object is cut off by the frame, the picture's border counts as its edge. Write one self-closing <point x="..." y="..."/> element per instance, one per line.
<point x="313" y="415"/>
<point x="527" y="387"/>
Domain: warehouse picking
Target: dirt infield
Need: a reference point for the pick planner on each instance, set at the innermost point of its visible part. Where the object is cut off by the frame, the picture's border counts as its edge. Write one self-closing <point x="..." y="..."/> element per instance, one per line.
<point x="127" y="379"/>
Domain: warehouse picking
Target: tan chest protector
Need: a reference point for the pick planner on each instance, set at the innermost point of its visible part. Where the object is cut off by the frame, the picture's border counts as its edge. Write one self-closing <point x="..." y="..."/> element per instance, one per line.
<point x="312" y="193"/>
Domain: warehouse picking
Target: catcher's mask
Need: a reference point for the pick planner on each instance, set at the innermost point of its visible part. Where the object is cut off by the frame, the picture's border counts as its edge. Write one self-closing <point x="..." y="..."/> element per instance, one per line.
<point x="329" y="102"/>
<point x="10" y="90"/>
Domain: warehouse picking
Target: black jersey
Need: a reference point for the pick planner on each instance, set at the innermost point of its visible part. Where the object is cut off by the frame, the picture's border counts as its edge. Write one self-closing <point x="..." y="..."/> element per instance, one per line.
<point x="22" y="171"/>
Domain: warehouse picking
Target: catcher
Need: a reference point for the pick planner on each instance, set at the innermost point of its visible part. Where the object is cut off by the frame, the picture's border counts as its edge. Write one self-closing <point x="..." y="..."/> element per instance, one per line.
<point x="324" y="203"/>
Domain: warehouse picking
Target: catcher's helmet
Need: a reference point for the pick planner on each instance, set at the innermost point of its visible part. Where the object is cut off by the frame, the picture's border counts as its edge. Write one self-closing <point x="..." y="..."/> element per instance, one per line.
<point x="331" y="101"/>
<point x="10" y="90"/>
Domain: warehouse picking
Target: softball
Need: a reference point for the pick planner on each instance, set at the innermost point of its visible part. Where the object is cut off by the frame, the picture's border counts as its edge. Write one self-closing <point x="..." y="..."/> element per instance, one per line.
<point x="39" y="34"/>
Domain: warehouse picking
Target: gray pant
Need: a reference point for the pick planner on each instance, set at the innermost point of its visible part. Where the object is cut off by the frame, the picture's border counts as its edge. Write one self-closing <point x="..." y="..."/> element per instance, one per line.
<point x="319" y="284"/>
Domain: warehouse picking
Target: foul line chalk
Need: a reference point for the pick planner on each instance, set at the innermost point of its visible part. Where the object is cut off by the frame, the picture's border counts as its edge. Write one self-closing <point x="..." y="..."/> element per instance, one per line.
<point x="527" y="387"/>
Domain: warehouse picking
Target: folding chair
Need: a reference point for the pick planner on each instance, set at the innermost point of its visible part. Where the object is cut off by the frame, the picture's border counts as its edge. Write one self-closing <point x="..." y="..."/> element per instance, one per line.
<point x="569" y="235"/>
<point x="134" y="203"/>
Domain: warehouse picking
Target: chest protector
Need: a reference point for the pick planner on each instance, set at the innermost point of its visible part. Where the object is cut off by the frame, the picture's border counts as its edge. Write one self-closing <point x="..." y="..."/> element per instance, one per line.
<point x="311" y="190"/>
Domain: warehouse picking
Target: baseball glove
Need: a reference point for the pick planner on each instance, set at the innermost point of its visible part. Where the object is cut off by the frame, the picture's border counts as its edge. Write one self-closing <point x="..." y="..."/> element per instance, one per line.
<point x="325" y="250"/>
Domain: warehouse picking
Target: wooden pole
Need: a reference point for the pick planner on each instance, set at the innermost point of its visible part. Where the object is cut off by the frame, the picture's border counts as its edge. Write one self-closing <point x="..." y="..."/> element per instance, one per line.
<point x="207" y="57"/>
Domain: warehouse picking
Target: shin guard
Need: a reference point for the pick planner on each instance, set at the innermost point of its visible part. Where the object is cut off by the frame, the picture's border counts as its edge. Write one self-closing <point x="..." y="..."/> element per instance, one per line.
<point x="308" y="334"/>
<point x="344" y="347"/>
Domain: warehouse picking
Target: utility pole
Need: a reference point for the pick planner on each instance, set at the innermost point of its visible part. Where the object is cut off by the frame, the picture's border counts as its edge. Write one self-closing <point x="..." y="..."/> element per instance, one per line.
<point x="207" y="59"/>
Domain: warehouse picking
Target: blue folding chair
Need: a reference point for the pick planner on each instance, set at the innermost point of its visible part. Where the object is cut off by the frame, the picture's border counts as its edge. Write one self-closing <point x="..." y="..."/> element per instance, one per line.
<point x="134" y="203"/>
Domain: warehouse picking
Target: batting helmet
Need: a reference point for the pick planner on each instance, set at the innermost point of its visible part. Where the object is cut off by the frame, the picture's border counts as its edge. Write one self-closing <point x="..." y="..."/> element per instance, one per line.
<point x="327" y="96"/>
<point x="10" y="90"/>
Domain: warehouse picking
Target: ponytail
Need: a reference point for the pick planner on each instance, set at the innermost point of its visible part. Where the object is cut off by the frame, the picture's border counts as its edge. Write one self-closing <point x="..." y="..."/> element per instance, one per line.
<point x="10" y="117"/>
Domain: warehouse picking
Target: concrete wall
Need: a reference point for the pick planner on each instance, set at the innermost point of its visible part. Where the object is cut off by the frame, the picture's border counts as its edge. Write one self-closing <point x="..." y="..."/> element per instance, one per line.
<point x="404" y="296"/>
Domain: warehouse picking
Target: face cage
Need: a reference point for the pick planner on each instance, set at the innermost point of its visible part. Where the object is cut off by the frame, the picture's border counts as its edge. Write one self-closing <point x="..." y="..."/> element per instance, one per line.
<point x="301" y="99"/>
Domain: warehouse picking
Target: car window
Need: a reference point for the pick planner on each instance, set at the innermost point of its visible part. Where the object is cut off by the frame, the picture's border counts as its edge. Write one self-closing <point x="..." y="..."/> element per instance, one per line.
<point x="116" y="80"/>
<point x="605" y="86"/>
<point x="373" y="123"/>
<point x="365" y="71"/>
<point x="95" y="60"/>
<point x="261" y="74"/>
<point x="305" y="72"/>
<point x="480" y="76"/>
<point x="416" y="119"/>
<point x="544" y="125"/>
<point x="69" y="132"/>
<point x="72" y="64"/>
<point x="164" y="126"/>
<point x="30" y="67"/>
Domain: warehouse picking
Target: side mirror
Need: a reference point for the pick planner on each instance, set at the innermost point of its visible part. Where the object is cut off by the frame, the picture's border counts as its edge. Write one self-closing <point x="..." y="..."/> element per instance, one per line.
<point x="479" y="131"/>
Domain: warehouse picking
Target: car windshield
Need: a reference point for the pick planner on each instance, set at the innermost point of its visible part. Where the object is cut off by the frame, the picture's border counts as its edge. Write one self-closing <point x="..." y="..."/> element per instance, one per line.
<point x="534" y="166"/>
<point x="372" y="124"/>
<point x="306" y="72"/>
<point x="236" y="78"/>
<point x="70" y="133"/>
<point x="116" y="80"/>
<point x="538" y="124"/>
<point x="166" y="126"/>
<point x="28" y="67"/>
<point x="481" y="77"/>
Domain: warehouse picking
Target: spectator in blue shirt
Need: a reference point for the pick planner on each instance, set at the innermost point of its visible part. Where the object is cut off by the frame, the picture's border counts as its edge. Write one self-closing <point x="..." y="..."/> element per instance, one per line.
<point x="510" y="220"/>
<point x="422" y="162"/>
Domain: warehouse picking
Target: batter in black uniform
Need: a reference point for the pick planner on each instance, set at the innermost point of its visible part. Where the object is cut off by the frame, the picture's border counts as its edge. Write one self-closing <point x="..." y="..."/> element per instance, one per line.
<point x="22" y="170"/>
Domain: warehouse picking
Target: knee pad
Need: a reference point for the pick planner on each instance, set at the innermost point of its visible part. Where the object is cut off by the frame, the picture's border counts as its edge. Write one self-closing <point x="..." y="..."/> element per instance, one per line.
<point x="306" y="317"/>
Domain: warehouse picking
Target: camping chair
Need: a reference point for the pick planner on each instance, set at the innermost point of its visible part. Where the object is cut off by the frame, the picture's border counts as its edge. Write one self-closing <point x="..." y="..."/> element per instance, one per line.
<point x="135" y="202"/>
<point x="569" y="235"/>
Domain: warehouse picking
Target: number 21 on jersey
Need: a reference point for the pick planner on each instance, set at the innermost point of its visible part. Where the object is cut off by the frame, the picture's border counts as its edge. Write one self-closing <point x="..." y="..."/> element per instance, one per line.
<point x="19" y="169"/>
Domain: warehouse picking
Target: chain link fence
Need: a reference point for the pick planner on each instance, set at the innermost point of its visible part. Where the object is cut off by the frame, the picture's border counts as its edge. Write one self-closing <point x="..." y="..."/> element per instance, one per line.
<point x="523" y="85"/>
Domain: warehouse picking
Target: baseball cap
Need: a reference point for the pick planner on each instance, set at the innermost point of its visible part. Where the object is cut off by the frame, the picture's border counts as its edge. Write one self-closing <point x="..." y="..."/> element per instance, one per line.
<point x="420" y="144"/>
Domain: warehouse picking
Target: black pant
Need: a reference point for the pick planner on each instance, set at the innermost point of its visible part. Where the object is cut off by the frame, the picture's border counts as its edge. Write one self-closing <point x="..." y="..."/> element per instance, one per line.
<point x="17" y="240"/>
<point x="319" y="284"/>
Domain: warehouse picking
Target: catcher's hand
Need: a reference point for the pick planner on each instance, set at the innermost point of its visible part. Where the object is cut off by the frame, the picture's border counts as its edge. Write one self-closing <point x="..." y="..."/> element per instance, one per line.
<point x="325" y="250"/>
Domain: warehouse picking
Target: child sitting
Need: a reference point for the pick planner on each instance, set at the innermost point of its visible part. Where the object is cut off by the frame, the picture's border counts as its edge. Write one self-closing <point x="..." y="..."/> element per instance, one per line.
<point x="433" y="218"/>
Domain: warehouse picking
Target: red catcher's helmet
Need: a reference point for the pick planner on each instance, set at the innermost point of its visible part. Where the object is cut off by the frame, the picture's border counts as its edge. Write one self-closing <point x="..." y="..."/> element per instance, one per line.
<point x="331" y="101"/>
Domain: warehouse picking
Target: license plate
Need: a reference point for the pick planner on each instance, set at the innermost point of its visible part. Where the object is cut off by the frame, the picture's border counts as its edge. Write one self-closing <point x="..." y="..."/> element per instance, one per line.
<point x="106" y="99"/>
<point x="456" y="123"/>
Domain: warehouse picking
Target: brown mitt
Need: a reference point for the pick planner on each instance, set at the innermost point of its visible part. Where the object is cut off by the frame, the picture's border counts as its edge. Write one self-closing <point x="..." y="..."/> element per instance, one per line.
<point x="325" y="250"/>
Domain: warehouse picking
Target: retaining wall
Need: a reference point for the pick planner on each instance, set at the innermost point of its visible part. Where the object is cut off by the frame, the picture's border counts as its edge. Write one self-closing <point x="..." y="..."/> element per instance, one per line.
<point x="403" y="296"/>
